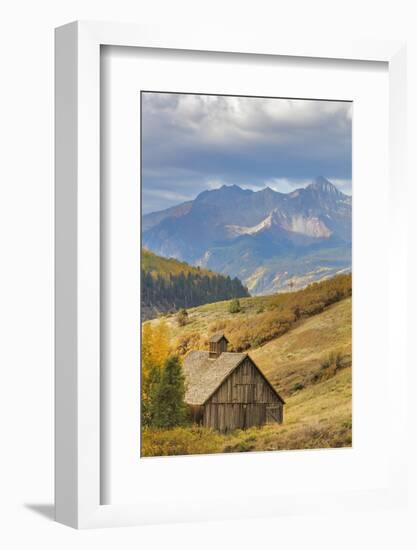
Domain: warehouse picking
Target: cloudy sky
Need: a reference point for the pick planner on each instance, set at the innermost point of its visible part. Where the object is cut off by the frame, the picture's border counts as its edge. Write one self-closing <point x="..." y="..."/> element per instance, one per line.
<point x="191" y="143"/>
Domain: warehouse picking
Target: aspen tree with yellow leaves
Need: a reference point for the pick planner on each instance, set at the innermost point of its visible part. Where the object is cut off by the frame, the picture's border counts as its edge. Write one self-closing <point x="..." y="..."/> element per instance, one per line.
<point x="155" y="351"/>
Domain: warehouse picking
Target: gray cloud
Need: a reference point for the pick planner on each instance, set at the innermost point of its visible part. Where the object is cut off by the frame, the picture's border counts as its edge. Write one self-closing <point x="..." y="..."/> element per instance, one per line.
<point x="194" y="142"/>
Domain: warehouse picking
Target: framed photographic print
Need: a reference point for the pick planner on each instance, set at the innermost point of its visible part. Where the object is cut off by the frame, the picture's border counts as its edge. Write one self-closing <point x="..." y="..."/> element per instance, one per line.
<point x="228" y="214"/>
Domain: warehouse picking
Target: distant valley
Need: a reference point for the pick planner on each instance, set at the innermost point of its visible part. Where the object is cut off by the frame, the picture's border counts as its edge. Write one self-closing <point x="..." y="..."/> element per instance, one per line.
<point x="271" y="241"/>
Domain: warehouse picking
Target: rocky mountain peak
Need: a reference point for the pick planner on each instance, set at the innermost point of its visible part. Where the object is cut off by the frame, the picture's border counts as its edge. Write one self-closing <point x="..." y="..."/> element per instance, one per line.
<point x="237" y="231"/>
<point x="323" y="185"/>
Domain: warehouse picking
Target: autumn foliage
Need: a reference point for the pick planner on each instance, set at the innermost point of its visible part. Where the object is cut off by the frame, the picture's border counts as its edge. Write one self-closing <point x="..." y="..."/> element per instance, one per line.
<point x="282" y="311"/>
<point x="163" y="384"/>
<point x="264" y="318"/>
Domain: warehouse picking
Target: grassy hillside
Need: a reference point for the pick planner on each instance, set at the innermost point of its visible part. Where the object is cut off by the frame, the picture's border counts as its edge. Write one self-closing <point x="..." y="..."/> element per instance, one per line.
<point x="310" y="365"/>
<point x="298" y="357"/>
<point x="260" y="320"/>
<point x="311" y="368"/>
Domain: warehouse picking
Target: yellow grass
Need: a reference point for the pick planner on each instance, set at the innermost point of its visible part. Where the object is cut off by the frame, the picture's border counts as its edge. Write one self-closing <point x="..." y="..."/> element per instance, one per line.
<point x="297" y="356"/>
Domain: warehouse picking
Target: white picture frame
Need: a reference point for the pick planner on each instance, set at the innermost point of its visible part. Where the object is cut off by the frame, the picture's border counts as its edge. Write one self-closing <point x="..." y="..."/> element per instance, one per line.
<point x="78" y="426"/>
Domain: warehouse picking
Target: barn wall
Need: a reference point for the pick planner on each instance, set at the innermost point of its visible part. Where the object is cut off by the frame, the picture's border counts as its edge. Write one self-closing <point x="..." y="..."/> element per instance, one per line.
<point x="243" y="400"/>
<point x="245" y="385"/>
<point x="232" y="416"/>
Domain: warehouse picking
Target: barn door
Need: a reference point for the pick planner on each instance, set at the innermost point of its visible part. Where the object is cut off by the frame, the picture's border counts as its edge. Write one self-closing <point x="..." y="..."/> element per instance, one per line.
<point x="273" y="414"/>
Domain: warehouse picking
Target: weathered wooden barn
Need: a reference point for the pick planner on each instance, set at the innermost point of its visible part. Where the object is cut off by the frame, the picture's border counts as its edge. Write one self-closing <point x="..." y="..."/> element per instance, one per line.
<point x="227" y="391"/>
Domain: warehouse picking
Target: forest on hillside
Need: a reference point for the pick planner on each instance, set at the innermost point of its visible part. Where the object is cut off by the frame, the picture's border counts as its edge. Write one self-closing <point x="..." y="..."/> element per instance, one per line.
<point x="189" y="287"/>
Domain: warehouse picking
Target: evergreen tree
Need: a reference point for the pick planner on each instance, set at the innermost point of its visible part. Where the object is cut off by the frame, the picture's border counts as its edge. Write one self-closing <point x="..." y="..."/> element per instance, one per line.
<point x="168" y="406"/>
<point x="184" y="290"/>
<point x="150" y="386"/>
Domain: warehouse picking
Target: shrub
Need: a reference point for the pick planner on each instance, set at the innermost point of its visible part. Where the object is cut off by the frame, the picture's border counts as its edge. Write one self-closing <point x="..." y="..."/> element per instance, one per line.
<point x="297" y="312"/>
<point x="297" y="387"/>
<point x="334" y="360"/>
<point x="234" y="306"/>
<point x="325" y="363"/>
<point x="182" y="317"/>
<point x="330" y="365"/>
<point x="339" y="361"/>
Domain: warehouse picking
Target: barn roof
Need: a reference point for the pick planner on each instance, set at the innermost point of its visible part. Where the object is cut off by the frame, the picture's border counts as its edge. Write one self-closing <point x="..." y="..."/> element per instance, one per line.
<point x="204" y="375"/>
<point x="217" y="337"/>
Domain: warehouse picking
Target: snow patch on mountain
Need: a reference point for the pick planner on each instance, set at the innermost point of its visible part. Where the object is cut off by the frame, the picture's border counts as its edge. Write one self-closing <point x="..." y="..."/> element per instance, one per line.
<point x="310" y="226"/>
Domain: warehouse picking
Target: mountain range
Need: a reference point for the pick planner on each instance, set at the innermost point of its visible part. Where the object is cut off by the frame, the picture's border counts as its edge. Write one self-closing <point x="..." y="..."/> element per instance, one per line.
<point x="271" y="241"/>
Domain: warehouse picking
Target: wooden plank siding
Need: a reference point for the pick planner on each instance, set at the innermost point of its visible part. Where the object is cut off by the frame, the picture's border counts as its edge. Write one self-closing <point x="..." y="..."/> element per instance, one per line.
<point x="244" y="399"/>
<point x="217" y="348"/>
